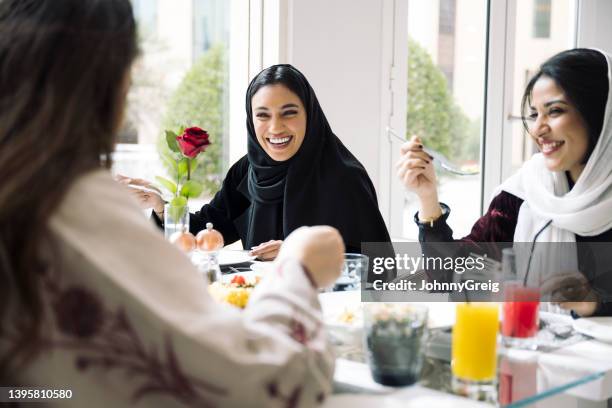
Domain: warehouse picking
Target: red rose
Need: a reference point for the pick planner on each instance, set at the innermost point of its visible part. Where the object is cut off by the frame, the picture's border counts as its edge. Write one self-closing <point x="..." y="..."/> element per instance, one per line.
<point x="193" y="141"/>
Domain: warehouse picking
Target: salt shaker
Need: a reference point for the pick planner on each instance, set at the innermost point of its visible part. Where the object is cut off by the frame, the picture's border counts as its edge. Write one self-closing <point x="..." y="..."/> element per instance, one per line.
<point x="209" y="242"/>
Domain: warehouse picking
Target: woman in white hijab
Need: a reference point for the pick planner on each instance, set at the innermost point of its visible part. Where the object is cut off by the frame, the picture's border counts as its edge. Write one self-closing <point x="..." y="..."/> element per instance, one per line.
<point x="562" y="194"/>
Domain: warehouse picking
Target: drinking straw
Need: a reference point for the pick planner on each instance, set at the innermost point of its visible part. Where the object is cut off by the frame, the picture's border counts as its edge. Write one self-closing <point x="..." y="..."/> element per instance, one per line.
<point x="531" y="251"/>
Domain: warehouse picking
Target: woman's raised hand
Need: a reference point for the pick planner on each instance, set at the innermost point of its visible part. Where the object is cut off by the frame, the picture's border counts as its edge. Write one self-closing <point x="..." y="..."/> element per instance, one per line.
<point x="320" y="249"/>
<point x="148" y="196"/>
<point x="416" y="171"/>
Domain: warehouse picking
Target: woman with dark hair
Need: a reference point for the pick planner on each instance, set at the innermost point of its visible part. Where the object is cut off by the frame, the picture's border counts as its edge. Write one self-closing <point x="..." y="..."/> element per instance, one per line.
<point x="94" y="303"/>
<point x="564" y="193"/>
<point x="296" y="172"/>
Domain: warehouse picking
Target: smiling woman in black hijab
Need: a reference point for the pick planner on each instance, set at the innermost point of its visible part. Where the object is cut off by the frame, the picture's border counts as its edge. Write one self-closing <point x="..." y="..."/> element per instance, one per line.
<point x="296" y="173"/>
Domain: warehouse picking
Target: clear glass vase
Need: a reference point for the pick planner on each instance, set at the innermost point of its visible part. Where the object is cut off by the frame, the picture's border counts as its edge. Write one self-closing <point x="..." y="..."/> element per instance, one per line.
<point x="176" y="219"/>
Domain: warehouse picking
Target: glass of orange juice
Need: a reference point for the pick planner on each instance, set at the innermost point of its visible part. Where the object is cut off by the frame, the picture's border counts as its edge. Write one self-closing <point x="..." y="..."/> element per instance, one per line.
<point x="474" y="350"/>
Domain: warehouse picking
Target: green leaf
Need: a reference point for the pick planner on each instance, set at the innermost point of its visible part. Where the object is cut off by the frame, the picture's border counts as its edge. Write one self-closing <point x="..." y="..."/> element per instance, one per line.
<point x="178" y="202"/>
<point x="169" y="160"/>
<point x="171" y="140"/>
<point x="191" y="189"/>
<point x="167" y="184"/>
<point x="181" y="130"/>
<point x="182" y="168"/>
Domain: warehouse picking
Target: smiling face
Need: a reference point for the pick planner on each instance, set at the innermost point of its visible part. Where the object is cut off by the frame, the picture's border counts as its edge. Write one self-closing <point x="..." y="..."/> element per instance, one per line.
<point x="279" y="119"/>
<point x="557" y="128"/>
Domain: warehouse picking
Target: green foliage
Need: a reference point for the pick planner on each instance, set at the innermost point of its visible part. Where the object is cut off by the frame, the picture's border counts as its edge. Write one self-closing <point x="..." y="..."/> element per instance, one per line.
<point x="167" y="184"/>
<point x="199" y="101"/>
<point x="191" y="189"/>
<point x="178" y="202"/>
<point x="432" y="112"/>
<point x="182" y="167"/>
<point x="171" y="141"/>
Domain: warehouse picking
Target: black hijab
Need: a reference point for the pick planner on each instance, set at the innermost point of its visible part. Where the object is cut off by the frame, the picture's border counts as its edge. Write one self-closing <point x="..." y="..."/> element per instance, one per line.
<point x="322" y="184"/>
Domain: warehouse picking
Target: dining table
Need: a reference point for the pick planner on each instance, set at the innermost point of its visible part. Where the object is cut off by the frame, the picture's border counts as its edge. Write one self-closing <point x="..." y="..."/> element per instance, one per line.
<point x="565" y="370"/>
<point x="567" y="367"/>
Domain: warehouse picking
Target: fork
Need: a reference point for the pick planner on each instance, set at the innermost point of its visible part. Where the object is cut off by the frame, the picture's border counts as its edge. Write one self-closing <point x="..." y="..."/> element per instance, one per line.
<point x="444" y="162"/>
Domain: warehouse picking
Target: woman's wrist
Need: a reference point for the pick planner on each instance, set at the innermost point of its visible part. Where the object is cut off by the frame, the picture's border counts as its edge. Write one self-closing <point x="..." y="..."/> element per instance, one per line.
<point x="430" y="208"/>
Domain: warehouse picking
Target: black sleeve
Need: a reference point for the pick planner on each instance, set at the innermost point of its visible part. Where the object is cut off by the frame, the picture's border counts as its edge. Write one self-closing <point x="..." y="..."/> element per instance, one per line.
<point x="227" y="205"/>
<point x="433" y="236"/>
<point x="603" y="309"/>
<point x="368" y="225"/>
<point x="489" y="235"/>
<point x="436" y="231"/>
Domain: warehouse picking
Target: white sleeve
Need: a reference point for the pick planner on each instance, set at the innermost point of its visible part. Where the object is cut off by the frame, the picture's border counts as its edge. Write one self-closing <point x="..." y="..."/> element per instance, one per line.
<point x="274" y="353"/>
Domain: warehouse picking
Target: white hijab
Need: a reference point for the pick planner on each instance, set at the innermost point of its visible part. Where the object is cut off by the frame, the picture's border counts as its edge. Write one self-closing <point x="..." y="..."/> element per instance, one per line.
<point x="586" y="210"/>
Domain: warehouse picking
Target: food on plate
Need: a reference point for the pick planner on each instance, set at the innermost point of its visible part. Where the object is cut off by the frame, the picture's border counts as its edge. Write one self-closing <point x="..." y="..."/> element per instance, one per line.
<point x="236" y="292"/>
<point x="347" y="316"/>
<point x="350" y="315"/>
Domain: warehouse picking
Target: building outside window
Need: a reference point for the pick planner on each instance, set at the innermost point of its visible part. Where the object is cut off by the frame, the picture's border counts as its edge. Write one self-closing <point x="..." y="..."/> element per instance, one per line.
<point x="529" y="53"/>
<point x="541" y="18"/>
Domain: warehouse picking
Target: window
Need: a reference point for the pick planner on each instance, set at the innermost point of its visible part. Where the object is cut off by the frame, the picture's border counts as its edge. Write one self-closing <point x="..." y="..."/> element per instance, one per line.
<point x="446" y="80"/>
<point x="541" y="18"/>
<point x="181" y="79"/>
<point x="145" y="12"/>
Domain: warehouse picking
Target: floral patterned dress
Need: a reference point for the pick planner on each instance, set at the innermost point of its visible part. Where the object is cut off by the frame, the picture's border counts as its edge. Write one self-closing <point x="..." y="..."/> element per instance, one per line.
<point x="130" y="323"/>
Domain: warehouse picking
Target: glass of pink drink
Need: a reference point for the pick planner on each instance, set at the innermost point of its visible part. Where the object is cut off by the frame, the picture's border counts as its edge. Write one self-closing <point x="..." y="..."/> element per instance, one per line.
<point x="520" y="316"/>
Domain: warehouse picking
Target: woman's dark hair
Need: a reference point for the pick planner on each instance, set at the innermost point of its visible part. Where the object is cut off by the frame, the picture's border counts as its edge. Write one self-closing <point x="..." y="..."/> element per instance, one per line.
<point x="283" y="74"/>
<point x="63" y="79"/>
<point x="583" y="75"/>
